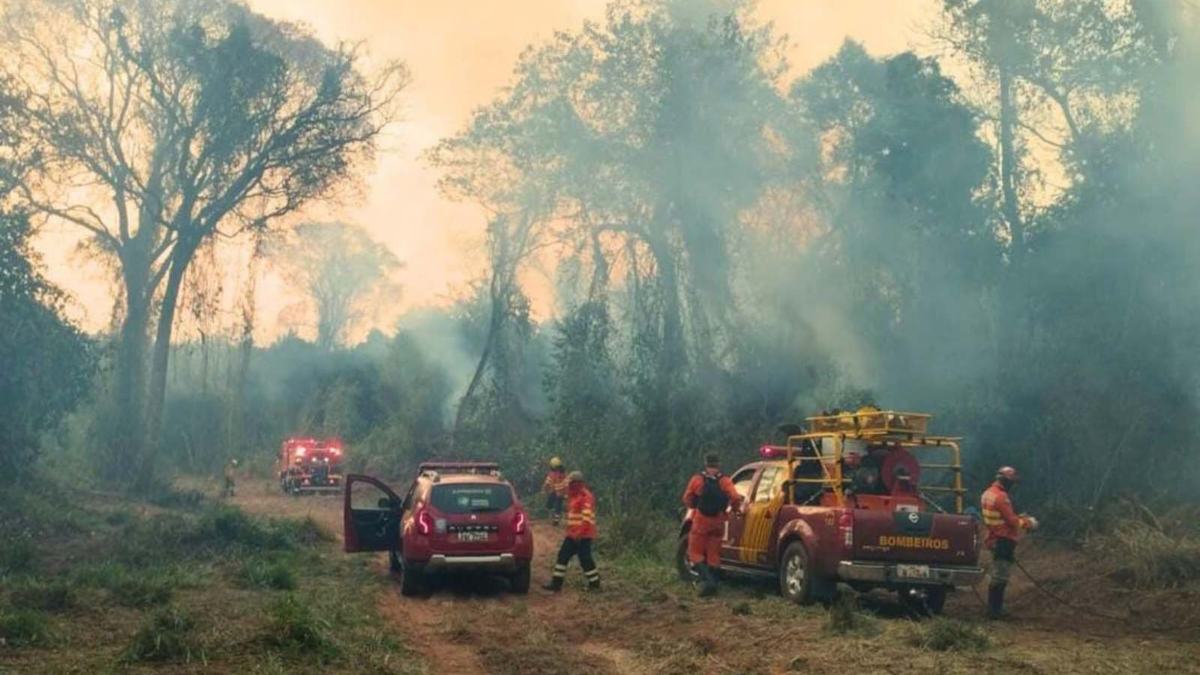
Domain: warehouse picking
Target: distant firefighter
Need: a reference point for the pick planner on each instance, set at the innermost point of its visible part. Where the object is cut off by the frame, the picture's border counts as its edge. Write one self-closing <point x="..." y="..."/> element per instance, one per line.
<point x="230" y="477"/>
<point x="555" y="487"/>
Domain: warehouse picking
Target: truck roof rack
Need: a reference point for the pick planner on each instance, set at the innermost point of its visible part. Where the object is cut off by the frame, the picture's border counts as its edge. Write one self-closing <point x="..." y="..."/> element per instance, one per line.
<point x="870" y="422"/>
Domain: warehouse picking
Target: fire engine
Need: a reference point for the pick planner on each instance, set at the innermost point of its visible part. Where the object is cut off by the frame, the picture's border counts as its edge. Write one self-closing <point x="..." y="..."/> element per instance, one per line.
<point x="309" y="465"/>
<point x="867" y="498"/>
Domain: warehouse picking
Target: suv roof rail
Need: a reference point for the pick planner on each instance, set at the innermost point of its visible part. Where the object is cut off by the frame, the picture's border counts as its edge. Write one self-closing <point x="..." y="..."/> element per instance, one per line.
<point x="459" y="467"/>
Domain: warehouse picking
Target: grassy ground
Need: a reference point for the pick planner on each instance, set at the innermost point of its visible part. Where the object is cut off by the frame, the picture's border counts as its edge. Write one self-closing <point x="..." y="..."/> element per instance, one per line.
<point x="94" y="583"/>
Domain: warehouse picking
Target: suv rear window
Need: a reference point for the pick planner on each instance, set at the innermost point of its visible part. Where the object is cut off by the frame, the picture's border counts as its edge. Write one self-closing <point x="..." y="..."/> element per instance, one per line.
<point x="471" y="497"/>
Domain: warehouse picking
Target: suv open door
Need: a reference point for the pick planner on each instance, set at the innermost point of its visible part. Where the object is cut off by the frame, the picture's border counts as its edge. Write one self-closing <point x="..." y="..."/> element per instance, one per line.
<point x="373" y="528"/>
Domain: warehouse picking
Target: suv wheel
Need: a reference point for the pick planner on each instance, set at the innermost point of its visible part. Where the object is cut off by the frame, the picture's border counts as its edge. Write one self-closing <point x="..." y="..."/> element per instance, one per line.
<point x="412" y="580"/>
<point x="519" y="580"/>
<point x="796" y="579"/>
<point x="682" y="565"/>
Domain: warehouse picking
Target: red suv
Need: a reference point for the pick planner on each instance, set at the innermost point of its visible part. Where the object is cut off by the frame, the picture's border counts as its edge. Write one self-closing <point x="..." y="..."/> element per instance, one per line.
<point x="456" y="516"/>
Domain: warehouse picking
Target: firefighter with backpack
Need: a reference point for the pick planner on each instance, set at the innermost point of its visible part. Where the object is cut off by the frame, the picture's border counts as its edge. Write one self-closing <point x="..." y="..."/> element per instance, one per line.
<point x="708" y="493"/>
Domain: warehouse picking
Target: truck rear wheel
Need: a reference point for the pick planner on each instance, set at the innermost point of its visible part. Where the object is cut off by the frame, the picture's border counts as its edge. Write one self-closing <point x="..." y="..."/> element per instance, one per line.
<point x="797" y="582"/>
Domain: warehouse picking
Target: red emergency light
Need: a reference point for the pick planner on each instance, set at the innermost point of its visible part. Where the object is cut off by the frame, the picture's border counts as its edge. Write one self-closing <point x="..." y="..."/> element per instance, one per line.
<point x="773" y="452"/>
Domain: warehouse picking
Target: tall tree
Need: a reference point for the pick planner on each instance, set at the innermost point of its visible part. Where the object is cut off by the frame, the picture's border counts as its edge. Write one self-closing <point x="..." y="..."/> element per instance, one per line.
<point x="648" y="133"/>
<point x="167" y="123"/>
<point x="342" y="271"/>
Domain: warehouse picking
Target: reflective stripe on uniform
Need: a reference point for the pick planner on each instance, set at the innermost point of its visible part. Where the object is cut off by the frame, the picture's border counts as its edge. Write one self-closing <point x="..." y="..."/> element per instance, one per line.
<point x="560" y="570"/>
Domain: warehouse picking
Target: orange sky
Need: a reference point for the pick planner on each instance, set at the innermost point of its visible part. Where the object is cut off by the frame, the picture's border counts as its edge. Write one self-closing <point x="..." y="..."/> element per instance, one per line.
<point x="460" y="52"/>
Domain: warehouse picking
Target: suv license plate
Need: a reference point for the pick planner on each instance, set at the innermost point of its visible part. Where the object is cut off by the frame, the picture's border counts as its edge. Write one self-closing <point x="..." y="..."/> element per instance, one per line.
<point x="472" y="536"/>
<point x="912" y="571"/>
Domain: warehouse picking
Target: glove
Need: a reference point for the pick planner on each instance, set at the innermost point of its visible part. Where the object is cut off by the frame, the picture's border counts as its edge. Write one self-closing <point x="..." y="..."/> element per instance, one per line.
<point x="1031" y="523"/>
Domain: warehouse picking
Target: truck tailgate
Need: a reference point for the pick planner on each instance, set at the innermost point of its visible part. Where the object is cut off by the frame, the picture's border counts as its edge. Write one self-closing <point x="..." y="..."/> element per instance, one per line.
<point x="916" y="537"/>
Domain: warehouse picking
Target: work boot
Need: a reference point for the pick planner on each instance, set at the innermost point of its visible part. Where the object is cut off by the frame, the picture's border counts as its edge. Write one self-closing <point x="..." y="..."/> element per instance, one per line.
<point x="995" y="608"/>
<point x="593" y="585"/>
<point x="708" y="585"/>
<point x="555" y="585"/>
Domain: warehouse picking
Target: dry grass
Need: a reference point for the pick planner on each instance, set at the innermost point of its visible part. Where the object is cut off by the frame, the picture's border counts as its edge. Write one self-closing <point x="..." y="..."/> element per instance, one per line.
<point x="1148" y="557"/>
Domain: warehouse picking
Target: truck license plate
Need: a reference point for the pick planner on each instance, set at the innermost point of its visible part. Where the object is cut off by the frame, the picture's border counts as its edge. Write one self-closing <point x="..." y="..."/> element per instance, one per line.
<point x="912" y="571"/>
<point x="472" y="536"/>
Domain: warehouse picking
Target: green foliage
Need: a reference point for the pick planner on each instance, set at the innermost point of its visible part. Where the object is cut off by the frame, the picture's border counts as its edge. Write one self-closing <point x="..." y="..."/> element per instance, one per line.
<point x="296" y="627"/>
<point x="949" y="635"/>
<point x="43" y="596"/>
<point x="166" y="637"/>
<point x="17" y="557"/>
<point x="269" y="574"/>
<point x="24" y="628"/>
<point x="47" y="362"/>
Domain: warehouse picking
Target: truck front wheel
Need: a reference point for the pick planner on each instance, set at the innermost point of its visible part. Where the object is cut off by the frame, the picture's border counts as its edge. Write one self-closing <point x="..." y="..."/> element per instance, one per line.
<point x="682" y="565"/>
<point x="797" y="582"/>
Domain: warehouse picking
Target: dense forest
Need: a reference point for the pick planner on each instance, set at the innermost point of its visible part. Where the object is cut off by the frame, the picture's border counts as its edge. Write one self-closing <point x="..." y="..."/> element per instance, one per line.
<point x="1000" y="230"/>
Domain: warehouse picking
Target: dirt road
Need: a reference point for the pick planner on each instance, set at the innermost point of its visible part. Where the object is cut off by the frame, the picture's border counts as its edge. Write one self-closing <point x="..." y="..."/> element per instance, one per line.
<point x="644" y="623"/>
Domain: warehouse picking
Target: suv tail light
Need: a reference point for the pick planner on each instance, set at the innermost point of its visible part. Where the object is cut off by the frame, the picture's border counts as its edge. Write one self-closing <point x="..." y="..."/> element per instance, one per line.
<point x="519" y="522"/>
<point x="845" y="525"/>
<point x="424" y="522"/>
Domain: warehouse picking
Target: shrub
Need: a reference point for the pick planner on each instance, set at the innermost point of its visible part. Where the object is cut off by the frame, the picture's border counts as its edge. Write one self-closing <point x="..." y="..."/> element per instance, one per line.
<point x="165" y="637"/>
<point x="947" y="635"/>
<point x="845" y="617"/>
<point x="24" y="628"/>
<point x="1148" y="556"/>
<point x="17" y="556"/>
<point x="142" y="592"/>
<point x="295" y="627"/>
<point x="257" y="573"/>
<point x="54" y="596"/>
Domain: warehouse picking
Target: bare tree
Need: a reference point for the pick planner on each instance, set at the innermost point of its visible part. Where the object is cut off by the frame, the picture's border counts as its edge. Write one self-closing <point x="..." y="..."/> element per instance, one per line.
<point x="164" y="124"/>
<point x="341" y="270"/>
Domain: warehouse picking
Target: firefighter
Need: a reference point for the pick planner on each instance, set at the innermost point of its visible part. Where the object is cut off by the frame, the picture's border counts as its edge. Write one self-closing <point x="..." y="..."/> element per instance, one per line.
<point x="1005" y="529"/>
<point x="581" y="532"/>
<point x="709" y="493"/>
<point x="230" y="476"/>
<point x="555" y="487"/>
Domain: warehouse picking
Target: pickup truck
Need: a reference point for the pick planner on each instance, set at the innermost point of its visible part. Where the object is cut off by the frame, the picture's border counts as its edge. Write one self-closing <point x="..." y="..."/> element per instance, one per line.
<point x="844" y="502"/>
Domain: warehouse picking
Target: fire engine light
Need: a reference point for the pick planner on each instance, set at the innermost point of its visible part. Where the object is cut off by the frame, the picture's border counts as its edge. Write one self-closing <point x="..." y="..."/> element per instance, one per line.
<point x="300" y="451"/>
<point x="772" y="452"/>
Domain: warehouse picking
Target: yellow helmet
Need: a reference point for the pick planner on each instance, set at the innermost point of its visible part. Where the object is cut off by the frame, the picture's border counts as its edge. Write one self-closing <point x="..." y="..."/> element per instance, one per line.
<point x="555" y="462"/>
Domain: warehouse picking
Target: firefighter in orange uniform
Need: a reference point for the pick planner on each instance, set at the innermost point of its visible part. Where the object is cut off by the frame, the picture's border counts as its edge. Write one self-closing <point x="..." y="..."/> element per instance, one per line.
<point x="581" y="531"/>
<point x="1005" y="529"/>
<point x="555" y="487"/>
<point x="709" y="493"/>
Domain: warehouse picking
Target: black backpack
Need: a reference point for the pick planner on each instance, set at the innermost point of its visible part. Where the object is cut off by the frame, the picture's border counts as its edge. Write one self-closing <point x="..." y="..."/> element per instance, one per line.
<point x="712" y="500"/>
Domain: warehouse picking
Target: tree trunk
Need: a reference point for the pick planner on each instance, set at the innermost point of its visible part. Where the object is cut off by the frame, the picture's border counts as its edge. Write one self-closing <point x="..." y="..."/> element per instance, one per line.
<point x="125" y="440"/>
<point x="1008" y="165"/>
<point x="180" y="258"/>
<point x="495" y="322"/>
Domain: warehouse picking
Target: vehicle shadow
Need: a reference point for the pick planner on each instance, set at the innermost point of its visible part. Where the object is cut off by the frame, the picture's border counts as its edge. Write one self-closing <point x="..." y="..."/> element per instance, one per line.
<point x="466" y="586"/>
